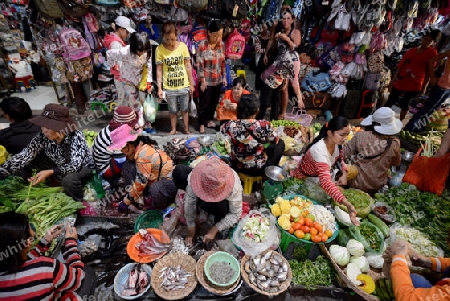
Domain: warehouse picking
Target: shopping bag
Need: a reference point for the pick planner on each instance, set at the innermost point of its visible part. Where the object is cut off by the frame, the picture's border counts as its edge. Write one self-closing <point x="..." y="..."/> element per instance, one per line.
<point x="192" y="108"/>
<point x="150" y="108"/>
<point x="428" y="173"/>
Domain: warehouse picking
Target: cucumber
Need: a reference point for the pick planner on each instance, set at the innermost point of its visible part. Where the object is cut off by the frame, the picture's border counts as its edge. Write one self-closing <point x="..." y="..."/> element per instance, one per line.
<point x="382" y="293"/>
<point x="380" y="224"/>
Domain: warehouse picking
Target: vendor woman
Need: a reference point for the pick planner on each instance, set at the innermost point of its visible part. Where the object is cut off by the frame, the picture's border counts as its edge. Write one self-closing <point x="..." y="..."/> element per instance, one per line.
<point x="71" y="160"/>
<point x="217" y="189"/>
<point x="152" y="187"/>
<point x="322" y="155"/>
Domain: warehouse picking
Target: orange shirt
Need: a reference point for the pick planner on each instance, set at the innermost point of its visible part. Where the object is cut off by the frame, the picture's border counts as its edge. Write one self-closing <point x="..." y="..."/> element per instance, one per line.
<point x="404" y="289"/>
<point x="229" y="95"/>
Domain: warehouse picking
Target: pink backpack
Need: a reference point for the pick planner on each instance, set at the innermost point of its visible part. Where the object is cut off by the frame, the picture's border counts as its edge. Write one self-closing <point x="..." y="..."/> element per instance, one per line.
<point x="91" y="22"/>
<point x="235" y="45"/>
<point x="73" y="44"/>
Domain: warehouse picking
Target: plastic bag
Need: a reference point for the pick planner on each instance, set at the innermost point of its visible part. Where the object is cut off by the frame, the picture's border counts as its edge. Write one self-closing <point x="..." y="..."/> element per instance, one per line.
<point x="150" y="108"/>
<point x="192" y="108"/>
<point x="250" y="246"/>
<point x="313" y="190"/>
<point x="384" y="212"/>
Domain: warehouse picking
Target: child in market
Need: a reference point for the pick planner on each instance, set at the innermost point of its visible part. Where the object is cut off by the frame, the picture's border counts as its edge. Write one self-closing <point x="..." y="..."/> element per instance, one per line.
<point x="133" y="58"/>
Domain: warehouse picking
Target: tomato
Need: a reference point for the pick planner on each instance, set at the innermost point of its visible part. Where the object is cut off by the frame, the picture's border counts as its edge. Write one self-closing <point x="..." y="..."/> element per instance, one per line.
<point x="299" y="234"/>
<point x="305" y="229"/>
<point x="301" y="221"/>
<point x="316" y="238"/>
<point x="313" y="231"/>
<point x="329" y="233"/>
<point x="308" y="222"/>
<point x="291" y="230"/>
<point x="318" y="226"/>
<point x="307" y="236"/>
<point x="324" y="237"/>
<point x="297" y="226"/>
<point x="311" y="217"/>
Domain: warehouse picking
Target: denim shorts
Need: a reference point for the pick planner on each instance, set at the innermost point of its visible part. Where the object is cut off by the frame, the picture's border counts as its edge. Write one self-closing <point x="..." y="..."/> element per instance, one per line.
<point x="175" y="96"/>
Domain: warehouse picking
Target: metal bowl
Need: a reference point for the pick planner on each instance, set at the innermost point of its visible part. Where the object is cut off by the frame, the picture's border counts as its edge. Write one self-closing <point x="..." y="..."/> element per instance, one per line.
<point x="407" y="156"/>
<point x="205" y="140"/>
<point x="276" y="173"/>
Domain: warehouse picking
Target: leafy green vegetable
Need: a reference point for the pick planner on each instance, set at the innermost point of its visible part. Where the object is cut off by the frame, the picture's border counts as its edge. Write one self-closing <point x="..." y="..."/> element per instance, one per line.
<point x="277" y="123"/>
<point x="311" y="274"/>
<point x="423" y="211"/>
<point x="362" y="201"/>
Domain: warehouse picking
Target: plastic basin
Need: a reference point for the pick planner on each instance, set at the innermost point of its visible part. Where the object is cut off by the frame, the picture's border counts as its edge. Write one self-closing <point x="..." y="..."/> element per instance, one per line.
<point x="222" y="257"/>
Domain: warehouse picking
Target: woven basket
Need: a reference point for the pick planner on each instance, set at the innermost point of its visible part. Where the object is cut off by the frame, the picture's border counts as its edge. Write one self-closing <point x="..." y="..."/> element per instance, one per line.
<point x="344" y="281"/>
<point x="174" y="260"/>
<point x="207" y="284"/>
<point x="283" y="286"/>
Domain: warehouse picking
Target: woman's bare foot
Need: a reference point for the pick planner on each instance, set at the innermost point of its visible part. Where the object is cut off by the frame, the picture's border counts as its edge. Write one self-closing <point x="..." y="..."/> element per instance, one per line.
<point x="172" y="132"/>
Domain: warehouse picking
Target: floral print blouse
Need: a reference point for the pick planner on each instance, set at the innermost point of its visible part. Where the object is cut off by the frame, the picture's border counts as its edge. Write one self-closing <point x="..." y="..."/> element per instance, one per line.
<point x="248" y="137"/>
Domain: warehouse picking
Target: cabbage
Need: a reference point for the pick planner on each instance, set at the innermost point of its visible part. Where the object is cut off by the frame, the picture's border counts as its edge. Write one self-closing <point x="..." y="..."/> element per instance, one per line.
<point x="352" y="272"/>
<point x="375" y="261"/>
<point x="342" y="216"/>
<point x="340" y="255"/>
<point x="361" y="262"/>
<point x="355" y="248"/>
<point x="256" y="228"/>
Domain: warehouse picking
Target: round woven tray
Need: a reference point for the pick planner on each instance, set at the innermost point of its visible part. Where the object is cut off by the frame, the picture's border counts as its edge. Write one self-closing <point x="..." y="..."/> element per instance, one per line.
<point x="174" y="260"/>
<point x="344" y="279"/>
<point x="283" y="286"/>
<point x="206" y="283"/>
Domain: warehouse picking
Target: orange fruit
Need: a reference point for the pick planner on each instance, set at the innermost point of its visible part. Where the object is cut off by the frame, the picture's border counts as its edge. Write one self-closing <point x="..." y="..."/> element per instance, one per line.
<point x="297" y="226"/>
<point x="305" y="213"/>
<point x="329" y="233"/>
<point x="299" y="234"/>
<point x="301" y="221"/>
<point x="291" y="230"/>
<point x="313" y="231"/>
<point x="308" y="222"/>
<point x="318" y="226"/>
<point x="316" y="238"/>
<point x="324" y="237"/>
<point x="305" y="229"/>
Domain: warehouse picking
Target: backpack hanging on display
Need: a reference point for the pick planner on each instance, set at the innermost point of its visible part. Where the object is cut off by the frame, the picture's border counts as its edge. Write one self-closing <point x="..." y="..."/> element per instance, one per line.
<point x="49" y="8"/>
<point x="91" y="22"/>
<point x="192" y="6"/>
<point x="271" y="11"/>
<point x="214" y="9"/>
<point x="73" y="44"/>
<point x="235" y="45"/>
<point x="73" y="9"/>
<point x="235" y="9"/>
<point x="80" y="70"/>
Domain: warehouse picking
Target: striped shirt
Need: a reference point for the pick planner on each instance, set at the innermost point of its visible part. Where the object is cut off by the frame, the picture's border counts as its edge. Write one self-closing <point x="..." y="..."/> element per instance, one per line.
<point x="42" y="278"/>
<point x="317" y="162"/>
<point x="211" y="63"/>
<point x="102" y="156"/>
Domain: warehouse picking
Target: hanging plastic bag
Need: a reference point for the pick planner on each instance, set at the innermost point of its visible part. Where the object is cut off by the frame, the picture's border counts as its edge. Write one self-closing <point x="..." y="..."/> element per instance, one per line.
<point x="150" y="108"/>
<point x="256" y="232"/>
<point x="192" y="108"/>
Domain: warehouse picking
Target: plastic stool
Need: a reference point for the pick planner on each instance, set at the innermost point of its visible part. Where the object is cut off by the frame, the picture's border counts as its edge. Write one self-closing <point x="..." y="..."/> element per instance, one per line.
<point x="364" y="104"/>
<point x="98" y="104"/>
<point x="240" y="73"/>
<point x="248" y="182"/>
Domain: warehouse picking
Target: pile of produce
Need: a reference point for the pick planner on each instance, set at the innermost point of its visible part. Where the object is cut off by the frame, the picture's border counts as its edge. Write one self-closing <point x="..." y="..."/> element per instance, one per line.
<point x="362" y="201"/>
<point x="384" y="290"/>
<point x="221" y="272"/>
<point x="256" y="228"/>
<point x="303" y="219"/>
<point x="418" y="240"/>
<point x="222" y="147"/>
<point x="44" y="205"/>
<point x="90" y="137"/>
<point x="310" y="273"/>
<point x="267" y="272"/>
<point x="423" y="211"/>
<point x="418" y="138"/>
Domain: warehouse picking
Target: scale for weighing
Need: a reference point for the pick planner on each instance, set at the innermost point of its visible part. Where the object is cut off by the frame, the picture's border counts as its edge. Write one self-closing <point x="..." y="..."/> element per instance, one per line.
<point x="273" y="187"/>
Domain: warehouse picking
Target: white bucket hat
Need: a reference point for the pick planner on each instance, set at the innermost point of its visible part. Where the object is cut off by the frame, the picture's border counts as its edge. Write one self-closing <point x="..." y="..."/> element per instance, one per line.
<point x="124" y="22"/>
<point x="384" y="121"/>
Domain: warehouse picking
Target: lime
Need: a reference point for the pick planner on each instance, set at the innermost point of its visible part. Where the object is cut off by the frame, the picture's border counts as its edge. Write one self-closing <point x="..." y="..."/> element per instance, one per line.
<point x="311" y="217"/>
<point x="307" y="236"/>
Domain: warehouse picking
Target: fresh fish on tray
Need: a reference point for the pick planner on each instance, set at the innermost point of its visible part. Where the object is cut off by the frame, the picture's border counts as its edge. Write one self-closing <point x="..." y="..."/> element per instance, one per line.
<point x="174" y="278"/>
<point x="150" y="245"/>
<point x="137" y="282"/>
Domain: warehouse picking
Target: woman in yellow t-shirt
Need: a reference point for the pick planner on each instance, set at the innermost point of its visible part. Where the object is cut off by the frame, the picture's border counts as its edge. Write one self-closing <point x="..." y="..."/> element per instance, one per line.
<point x="174" y="75"/>
<point x="231" y="97"/>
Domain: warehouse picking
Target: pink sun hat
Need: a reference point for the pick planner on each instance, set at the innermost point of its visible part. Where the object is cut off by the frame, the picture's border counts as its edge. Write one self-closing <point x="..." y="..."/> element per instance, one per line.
<point x="121" y="136"/>
<point x="212" y="180"/>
